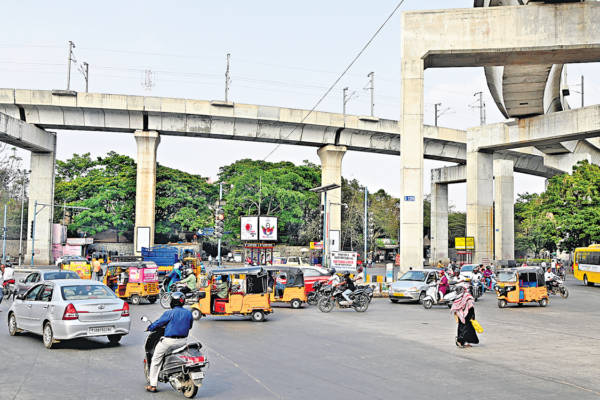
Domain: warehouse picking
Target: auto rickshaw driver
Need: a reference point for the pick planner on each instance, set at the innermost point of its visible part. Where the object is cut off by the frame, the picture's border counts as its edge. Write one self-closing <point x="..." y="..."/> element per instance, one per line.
<point x="221" y="291"/>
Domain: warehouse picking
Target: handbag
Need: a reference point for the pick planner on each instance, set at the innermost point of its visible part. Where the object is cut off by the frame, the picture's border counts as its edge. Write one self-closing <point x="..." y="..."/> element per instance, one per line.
<point x="477" y="326"/>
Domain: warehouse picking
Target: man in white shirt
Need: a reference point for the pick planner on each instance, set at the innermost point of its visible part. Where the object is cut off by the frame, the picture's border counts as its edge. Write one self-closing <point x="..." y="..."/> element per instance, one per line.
<point x="335" y="278"/>
<point x="9" y="273"/>
<point x="548" y="276"/>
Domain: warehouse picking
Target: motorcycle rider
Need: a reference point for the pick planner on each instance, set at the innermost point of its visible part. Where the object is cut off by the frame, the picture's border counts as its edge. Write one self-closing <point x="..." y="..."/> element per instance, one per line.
<point x="9" y="274"/>
<point x="177" y="322"/>
<point x="549" y="277"/>
<point x="443" y="284"/>
<point x="349" y="287"/>
<point x="476" y="278"/>
<point x="440" y="265"/>
<point x="174" y="276"/>
<point x="335" y="278"/>
<point x="487" y="275"/>
<point x="189" y="279"/>
<point x="359" y="280"/>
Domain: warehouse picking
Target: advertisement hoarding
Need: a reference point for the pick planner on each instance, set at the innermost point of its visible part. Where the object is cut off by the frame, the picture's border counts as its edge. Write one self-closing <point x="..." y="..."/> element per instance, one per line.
<point x="343" y="260"/>
<point x="267" y="228"/>
<point x="249" y="228"/>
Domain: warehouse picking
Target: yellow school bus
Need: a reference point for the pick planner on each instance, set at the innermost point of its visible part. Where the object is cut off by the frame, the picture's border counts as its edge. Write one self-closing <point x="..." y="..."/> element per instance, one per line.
<point x="586" y="264"/>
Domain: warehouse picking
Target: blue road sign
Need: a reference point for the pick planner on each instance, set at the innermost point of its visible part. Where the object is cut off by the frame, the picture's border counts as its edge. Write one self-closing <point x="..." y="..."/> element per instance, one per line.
<point x="409" y="198"/>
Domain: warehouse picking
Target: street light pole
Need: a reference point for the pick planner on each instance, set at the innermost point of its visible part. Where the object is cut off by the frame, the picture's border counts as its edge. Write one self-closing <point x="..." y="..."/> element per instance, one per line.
<point x="22" y="209"/>
<point x="71" y="46"/>
<point x="324" y="189"/>
<point x="372" y="75"/>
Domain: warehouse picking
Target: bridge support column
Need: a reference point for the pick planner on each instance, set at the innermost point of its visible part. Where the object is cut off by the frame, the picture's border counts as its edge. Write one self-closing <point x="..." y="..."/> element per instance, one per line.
<point x="41" y="189"/>
<point x="439" y="223"/>
<point x="480" y="204"/>
<point x="147" y="143"/>
<point x="504" y="248"/>
<point x="331" y="172"/>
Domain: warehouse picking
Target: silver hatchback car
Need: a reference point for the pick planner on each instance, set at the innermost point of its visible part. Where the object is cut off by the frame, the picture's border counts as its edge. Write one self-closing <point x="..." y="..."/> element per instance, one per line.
<point x="69" y="309"/>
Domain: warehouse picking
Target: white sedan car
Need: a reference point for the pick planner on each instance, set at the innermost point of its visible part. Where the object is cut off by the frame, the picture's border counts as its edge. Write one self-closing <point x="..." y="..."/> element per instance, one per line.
<point x="69" y="309"/>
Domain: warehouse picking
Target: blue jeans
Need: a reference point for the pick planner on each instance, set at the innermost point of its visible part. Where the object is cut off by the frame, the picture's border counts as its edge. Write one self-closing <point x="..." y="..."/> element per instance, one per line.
<point x="1" y="294"/>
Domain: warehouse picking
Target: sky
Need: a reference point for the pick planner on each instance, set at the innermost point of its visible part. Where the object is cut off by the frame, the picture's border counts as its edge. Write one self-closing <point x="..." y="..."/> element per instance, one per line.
<point x="282" y="54"/>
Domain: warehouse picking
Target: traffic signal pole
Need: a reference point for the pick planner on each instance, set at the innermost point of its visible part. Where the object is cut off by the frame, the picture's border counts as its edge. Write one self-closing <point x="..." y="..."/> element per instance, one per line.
<point x="33" y="232"/>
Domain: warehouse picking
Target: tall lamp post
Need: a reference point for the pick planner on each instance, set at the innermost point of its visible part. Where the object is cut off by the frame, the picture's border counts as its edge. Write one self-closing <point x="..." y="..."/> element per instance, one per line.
<point x="25" y="172"/>
<point x="324" y="189"/>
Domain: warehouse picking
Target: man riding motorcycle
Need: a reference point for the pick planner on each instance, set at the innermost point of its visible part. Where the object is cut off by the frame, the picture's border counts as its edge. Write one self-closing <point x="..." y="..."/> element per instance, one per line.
<point x="476" y="278"/>
<point x="189" y="279"/>
<point x="349" y="287"/>
<point x="549" y="276"/>
<point x="335" y="278"/>
<point x="487" y="276"/>
<point x="177" y="322"/>
<point x="173" y="277"/>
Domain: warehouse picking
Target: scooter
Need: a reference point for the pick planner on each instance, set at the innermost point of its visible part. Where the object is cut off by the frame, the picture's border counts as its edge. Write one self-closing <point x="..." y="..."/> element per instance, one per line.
<point x="432" y="295"/>
<point x="183" y="366"/>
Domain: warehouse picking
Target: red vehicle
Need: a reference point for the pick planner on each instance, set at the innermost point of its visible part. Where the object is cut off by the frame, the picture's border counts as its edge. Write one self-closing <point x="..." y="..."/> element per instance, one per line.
<point x="314" y="274"/>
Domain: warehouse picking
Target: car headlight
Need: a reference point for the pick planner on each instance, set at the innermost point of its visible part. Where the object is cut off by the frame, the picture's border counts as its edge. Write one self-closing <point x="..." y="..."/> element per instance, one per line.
<point x="413" y="289"/>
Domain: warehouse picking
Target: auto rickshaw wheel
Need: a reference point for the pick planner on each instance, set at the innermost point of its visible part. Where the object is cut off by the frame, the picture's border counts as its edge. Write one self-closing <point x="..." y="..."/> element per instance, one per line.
<point x="543" y="302"/>
<point x="135" y="299"/>
<point x="296" y="303"/>
<point x="196" y="314"/>
<point x="152" y="299"/>
<point x="258" y="316"/>
<point x="520" y="304"/>
<point x="502" y="303"/>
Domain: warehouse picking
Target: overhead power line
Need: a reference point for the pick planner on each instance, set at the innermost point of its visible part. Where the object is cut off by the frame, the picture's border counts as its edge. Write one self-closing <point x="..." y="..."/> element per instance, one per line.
<point x="340" y="77"/>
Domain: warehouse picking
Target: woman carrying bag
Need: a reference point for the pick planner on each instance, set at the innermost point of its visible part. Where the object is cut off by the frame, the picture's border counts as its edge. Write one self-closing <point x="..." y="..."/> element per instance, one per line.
<point x="464" y="313"/>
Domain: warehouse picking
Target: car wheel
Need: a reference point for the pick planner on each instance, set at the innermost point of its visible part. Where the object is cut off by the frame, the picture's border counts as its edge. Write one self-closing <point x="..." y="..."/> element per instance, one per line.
<point x="135" y="299"/>
<point x="422" y="297"/>
<point x="258" y="316"/>
<point x="48" y="336"/>
<point x="394" y="301"/>
<point x="114" y="339"/>
<point x="296" y="304"/>
<point x="12" y="325"/>
<point x="196" y="314"/>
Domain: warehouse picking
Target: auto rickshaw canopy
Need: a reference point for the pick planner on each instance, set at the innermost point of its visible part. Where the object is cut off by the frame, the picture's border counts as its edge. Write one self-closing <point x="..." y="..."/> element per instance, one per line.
<point x="254" y="271"/>
<point x="295" y="275"/>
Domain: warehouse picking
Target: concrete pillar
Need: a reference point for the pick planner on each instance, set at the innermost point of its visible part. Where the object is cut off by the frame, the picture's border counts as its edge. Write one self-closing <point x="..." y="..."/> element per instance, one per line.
<point x="41" y="189"/>
<point x="331" y="172"/>
<point x="504" y="210"/>
<point x="411" y="156"/>
<point x="147" y="143"/>
<point x="439" y="223"/>
<point x="480" y="204"/>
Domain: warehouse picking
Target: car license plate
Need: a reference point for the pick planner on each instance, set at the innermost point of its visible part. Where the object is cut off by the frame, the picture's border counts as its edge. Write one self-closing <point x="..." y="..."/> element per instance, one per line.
<point x="102" y="329"/>
<point x="398" y="294"/>
<point x="197" y="375"/>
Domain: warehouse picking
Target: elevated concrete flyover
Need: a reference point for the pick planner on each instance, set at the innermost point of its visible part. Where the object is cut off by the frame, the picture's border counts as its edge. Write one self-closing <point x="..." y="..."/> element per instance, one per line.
<point x="42" y="145"/>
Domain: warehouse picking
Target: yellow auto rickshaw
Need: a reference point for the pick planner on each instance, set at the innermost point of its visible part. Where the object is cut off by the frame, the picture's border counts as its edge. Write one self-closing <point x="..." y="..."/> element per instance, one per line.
<point x="521" y="285"/>
<point x="244" y="293"/>
<point x="291" y="285"/>
<point x="133" y="281"/>
<point x="81" y="266"/>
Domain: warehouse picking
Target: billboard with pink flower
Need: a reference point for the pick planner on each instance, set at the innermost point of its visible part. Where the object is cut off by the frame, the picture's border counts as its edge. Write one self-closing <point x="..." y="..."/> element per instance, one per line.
<point x="249" y="228"/>
<point x="267" y="228"/>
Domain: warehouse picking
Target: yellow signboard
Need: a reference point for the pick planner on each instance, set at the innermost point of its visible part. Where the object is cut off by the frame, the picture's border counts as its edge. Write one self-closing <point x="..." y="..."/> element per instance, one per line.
<point x="470" y="243"/>
<point x="464" y="243"/>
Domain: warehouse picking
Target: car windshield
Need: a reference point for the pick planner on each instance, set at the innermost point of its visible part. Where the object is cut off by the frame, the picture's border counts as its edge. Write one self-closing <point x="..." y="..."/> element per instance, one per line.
<point x="86" y="292"/>
<point x="467" y="268"/>
<point x="49" y="276"/>
<point x="305" y="260"/>
<point x="507" y="276"/>
<point x="414" y="276"/>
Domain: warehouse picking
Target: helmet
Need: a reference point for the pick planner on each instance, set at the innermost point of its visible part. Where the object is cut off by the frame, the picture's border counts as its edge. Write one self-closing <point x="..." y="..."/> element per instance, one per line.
<point x="441" y="272"/>
<point x="332" y="271"/>
<point x="360" y="270"/>
<point x="346" y="274"/>
<point x="177" y="299"/>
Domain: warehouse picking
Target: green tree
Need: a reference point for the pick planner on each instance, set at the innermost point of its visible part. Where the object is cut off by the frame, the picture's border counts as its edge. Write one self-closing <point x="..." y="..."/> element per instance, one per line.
<point x="276" y="189"/>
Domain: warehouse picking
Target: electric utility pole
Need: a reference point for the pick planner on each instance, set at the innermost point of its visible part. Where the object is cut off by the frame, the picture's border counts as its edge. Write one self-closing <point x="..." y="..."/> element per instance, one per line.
<point x="227" y="79"/>
<point x="71" y="58"/>
<point x="582" y="92"/>
<point x="481" y="108"/>
<point x="84" y="69"/>
<point x="372" y="76"/>
<point x="346" y="100"/>
<point x="436" y="113"/>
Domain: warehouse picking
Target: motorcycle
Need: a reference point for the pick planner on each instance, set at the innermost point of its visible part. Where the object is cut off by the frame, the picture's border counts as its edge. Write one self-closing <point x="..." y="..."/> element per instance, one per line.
<point x="312" y="298"/>
<point x="432" y="295"/>
<point x="368" y="291"/>
<point x="8" y="289"/>
<point x="333" y="297"/>
<point x="192" y="297"/>
<point x="557" y="286"/>
<point x="183" y="366"/>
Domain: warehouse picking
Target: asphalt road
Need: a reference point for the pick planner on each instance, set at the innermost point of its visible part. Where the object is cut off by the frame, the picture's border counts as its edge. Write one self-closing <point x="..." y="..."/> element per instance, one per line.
<point x="390" y="351"/>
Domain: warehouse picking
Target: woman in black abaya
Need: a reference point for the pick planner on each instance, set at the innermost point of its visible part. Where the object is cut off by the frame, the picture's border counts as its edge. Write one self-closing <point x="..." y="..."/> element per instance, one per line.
<point x="464" y="312"/>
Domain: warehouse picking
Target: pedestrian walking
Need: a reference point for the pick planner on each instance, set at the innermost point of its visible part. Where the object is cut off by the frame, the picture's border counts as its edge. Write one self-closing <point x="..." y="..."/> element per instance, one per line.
<point x="463" y="309"/>
<point x="97" y="265"/>
<point x="210" y="260"/>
